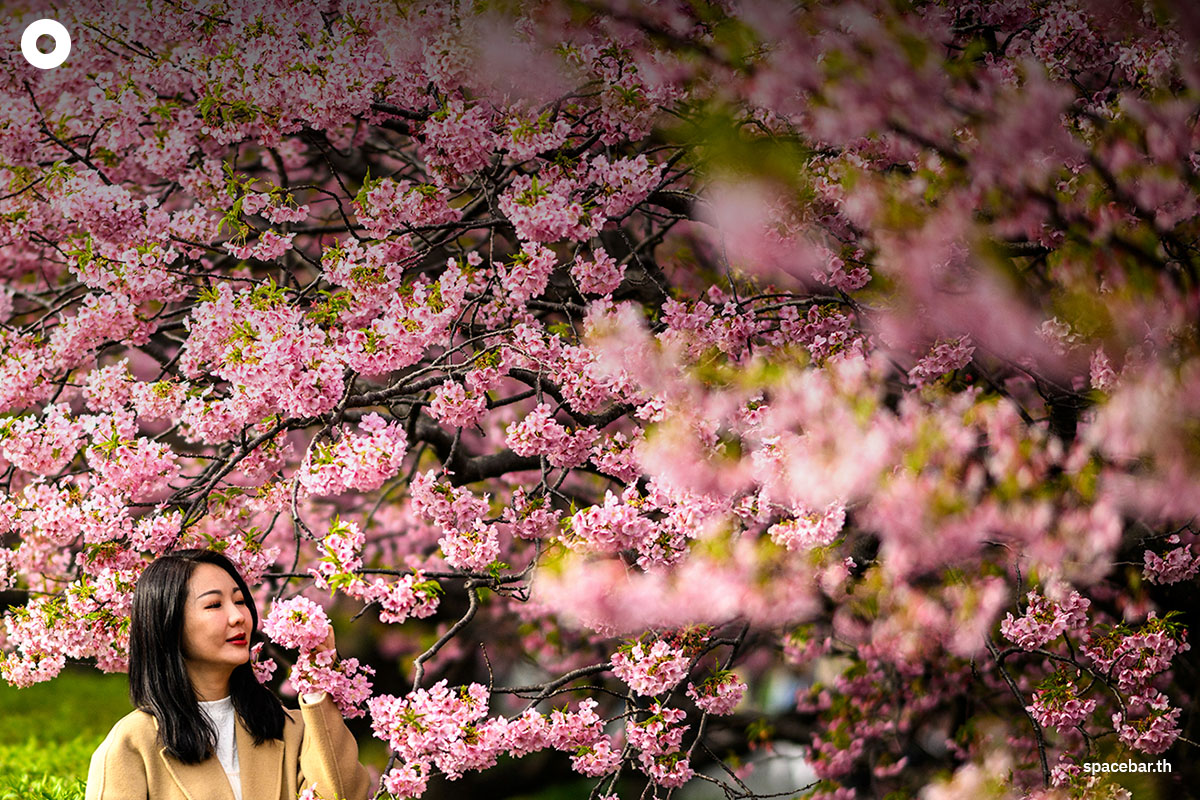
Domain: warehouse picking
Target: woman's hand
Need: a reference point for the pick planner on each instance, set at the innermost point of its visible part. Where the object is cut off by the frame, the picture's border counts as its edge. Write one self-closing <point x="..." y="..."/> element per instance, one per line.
<point x="328" y="645"/>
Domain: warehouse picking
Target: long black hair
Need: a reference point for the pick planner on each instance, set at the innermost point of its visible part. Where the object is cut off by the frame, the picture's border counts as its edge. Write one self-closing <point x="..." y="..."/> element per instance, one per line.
<point x="158" y="677"/>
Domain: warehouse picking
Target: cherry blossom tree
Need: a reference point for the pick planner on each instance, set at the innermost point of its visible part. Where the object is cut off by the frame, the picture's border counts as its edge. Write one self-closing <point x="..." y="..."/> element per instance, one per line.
<point x="604" y="367"/>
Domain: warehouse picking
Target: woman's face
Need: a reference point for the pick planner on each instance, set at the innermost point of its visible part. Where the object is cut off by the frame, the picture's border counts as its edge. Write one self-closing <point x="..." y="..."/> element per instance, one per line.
<point x="216" y="620"/>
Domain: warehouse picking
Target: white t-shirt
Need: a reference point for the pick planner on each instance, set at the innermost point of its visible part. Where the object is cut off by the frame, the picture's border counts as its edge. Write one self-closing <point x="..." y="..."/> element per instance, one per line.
<point x="220" y="714"/>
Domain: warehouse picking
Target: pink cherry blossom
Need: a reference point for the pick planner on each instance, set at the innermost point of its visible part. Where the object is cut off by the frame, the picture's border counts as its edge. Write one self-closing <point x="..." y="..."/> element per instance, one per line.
<point x="650" y="670"/>
<point x="297" y="623"/>
<point x="719" y="695"/>
<point x="944" y="357"/>
<point x="344" y="679"/>
<point x="361" y="462"/>
<point x="1045" y="620"/>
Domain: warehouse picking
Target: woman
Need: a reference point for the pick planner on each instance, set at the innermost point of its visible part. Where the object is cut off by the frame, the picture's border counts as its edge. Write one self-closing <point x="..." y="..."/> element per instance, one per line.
<point x="205" y="728"/>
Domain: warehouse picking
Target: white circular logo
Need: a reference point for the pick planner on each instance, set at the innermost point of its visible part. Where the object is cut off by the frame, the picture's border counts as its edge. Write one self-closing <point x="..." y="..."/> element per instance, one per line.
<point x="53" y="29"/>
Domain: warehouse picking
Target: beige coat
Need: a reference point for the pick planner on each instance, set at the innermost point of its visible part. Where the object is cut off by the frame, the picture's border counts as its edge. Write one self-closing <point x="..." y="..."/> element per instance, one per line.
<point x="317" y="750"/>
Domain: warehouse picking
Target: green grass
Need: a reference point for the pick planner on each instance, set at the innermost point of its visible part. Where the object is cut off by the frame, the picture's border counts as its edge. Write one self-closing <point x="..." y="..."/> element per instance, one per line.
<point x="48" y="732"/>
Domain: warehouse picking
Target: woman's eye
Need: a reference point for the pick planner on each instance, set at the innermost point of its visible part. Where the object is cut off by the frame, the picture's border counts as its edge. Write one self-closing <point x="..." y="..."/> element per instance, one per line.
<point x="213" y="605"/>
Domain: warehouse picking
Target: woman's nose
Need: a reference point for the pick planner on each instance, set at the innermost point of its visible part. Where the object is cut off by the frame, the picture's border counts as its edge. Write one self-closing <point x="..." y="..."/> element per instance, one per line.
<point x="236" y="614"/>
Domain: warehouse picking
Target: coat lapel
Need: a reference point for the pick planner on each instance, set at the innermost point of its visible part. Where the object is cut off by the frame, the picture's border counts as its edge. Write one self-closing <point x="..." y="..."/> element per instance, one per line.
<point x="261" y="766"/>
<point x="203" y="781"/>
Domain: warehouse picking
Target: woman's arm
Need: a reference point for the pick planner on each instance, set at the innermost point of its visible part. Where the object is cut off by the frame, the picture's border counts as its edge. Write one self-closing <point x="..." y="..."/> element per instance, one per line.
<point x="117" y="771"/>
<point x="328" y="752"/>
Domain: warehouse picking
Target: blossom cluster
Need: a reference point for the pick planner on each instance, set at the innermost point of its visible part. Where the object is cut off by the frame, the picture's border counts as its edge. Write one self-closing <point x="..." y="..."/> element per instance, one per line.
<point x="539" y="434"/>
<point x="1057" y="704"/>
<point x="298" y="623"/>
<point x="1045" y="620"/>
<point x="340" y="568"/>
<point x="658" y="739"/>
<point x="439" y="727"/>
<point x="1178" y="564"/>
<point x="344" y="679"/>
<point x="651" y="670"/>
<point x="468" y="542"/>
<point x="360" y="462"/>
<point x="944" y="357"/>
<point x="807" y="531"/>
<point x="719" y="694"/>
<point x="1149" y="724"/>
<point x="1132" y="658"/>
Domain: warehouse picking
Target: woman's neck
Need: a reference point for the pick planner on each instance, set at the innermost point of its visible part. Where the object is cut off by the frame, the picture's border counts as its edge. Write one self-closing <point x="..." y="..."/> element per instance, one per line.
<point x="208" y="684"/>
